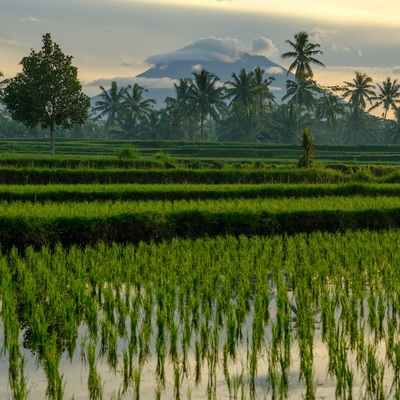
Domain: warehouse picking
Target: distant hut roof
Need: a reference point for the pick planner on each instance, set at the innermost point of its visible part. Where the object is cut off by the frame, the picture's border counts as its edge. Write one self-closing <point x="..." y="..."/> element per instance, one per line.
<point x="264" y="135"/>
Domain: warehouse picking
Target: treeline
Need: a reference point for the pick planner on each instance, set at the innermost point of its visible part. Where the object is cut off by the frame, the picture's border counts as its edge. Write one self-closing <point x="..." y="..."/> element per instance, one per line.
<point x="251" y="115"/>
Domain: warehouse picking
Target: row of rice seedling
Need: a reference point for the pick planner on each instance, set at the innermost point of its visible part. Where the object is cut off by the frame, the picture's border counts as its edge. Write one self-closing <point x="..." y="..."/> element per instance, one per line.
<point x="258" y="205"/>
<point x="44" y="176"/>
<point x="83" y="223"/>
<point x="214" y="317"/>
<point x="173" y="192"/>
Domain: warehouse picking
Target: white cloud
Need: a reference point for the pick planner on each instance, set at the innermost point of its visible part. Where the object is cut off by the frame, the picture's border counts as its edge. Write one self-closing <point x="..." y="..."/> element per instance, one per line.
<point x="208" y="49"/>
<point x="14" y="42"/>
<point x="396" y="69"/>
<point x="32" y="19"/>
<point x="274" y="71"/>
<point x="147" y="83"/>
<point x="359" y="53"/>
<point x="197" y="67"/>
<point x="263" y="46"/>
<point x="275" y="89"/>
<point x="338" y="48"/>
<point x="320" y="35"/>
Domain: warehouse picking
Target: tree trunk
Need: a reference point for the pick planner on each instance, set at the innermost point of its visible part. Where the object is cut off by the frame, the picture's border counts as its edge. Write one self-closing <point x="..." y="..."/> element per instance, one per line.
<point x="52" y="144"/>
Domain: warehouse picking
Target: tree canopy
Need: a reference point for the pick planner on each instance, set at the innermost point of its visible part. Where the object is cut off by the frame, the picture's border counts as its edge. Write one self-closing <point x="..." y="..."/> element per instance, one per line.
<point x="47" y="92"/>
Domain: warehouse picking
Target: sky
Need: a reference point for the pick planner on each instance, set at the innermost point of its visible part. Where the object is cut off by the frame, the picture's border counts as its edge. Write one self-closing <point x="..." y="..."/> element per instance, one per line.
<point x="111" y="39"/>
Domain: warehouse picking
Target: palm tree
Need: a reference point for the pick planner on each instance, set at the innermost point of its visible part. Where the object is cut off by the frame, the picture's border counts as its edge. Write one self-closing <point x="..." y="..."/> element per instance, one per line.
<point x="134" y="109"/>
<point x="262" y="88"/>
<point x="177" y="120"/>
<point x="394" y="128"/>
<point x="181" y="90"/>
<point x="331" y="108"/>
<point x="388" y="97"/>
<point x="150" y="125"/>
<point x="285" y="120"/>
<point x="360" y="91"/>
<point x="303" y="54"/>
<point x="242" y="88"/>
<point x="134" y="101"/>
<point x="301" y="93"/>
<point x="205" y="97"/>
<point x="240" y="124"/>
<point x="110" y="104"/>
<point x="174" y="120"/>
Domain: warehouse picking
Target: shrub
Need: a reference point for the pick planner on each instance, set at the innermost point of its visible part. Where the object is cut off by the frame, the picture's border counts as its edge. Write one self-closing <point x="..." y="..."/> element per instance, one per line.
<point x="128" y="152"/>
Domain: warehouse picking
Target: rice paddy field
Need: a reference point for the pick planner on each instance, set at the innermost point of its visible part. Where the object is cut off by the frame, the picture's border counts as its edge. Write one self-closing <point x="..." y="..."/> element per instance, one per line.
<point x="276" y="288"/>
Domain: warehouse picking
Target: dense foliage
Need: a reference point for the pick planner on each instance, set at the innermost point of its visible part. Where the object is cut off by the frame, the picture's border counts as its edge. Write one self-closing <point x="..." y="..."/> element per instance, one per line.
<point x="47" y="92"/>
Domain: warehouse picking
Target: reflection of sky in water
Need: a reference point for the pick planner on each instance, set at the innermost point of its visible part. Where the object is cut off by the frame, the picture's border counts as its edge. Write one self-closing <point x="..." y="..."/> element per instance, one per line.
<point x="76" y="374"/>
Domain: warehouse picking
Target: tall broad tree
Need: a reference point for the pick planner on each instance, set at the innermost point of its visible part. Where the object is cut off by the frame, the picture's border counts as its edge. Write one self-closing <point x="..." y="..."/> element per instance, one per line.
<point x="359" y="92"/>
<point x="205" y="97"/>
<point x="304" y="53"/>
<point x="3" y="82"/>
<point x="47" y="92"/>
<point x="388" y="96"/>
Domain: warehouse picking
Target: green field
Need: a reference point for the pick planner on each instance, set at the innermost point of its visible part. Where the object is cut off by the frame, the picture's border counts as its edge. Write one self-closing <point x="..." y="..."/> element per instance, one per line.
<point x="186" y="273"/>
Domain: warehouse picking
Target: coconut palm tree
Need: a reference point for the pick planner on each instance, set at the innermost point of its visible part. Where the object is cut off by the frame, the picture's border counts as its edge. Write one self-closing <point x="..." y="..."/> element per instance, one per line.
<point x="150" y="125"/>
<point x="133" y="100"/>
<point x="394" y="127"/>
<point x="242" y="88"/>
<point x="239" y="124"/>
<point x="177" y="120"/>
<point x="263" y="92"/>
<point x="359" y="91"/>
<point x="134" y="109"/>
<point x="331" y="108"/>
<point x="304" y="54"/>
<point x="302" y="94"/>
<point x="388" y="96"/>
<point x="173" y="120"/>
<point x="110" y="105"/>
<point x="205" y="97"/>
<point x="285" y="120"/>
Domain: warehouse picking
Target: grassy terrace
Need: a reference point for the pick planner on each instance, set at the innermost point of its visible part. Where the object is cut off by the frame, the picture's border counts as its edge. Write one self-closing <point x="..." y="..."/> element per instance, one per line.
<point x="84" y="223"/>
<point x="172" y="192"/>
<point x="206" y="151"/>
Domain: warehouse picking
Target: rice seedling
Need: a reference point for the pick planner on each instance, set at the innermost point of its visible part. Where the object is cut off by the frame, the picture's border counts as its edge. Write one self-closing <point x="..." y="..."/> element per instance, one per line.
<point x="94" y="380"/>
<point x="240" y="307"/>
